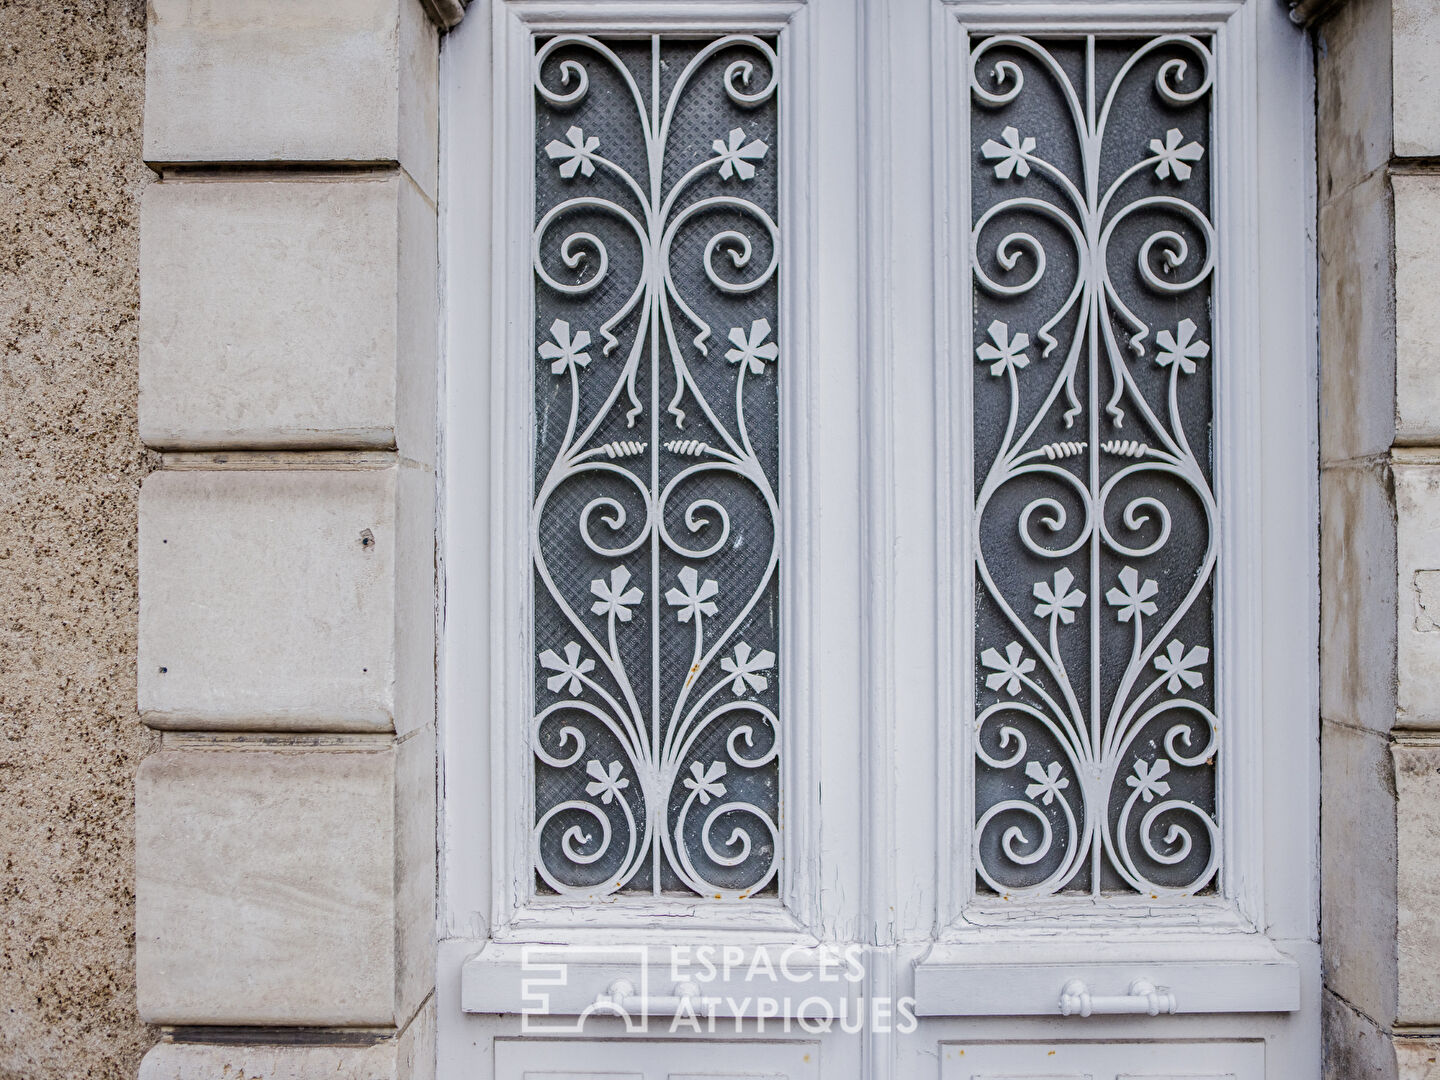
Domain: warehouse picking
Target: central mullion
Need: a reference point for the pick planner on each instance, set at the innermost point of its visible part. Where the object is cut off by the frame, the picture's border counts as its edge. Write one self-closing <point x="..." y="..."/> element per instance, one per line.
<point x="656" y="163"/>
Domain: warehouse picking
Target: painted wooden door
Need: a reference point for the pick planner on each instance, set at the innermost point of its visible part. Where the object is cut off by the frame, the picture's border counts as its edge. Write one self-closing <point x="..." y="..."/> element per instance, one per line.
<point x="879" y="548"/>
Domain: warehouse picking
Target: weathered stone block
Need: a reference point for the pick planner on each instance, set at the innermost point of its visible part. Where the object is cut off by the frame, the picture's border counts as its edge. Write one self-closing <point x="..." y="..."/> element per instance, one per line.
<point x="288" y="314"/>
<point x="415" y="873"/>
<point x="1357" y="326"/>
<point x="1357" y="602"/>
<point x="1417" y="1058"/>
<point x="1417" y="791"/>
<point x="1354" y="1046"/>
<point x="1358" y="861"/>
<point x="1356" y="1049"/>
<point x="287" y="599"/>
<point x="209" y="1061"/>
<point x="1417" y="504"/>
<point x="1353" y="98"/>
<point x="282" y="883"/>
<point x="1417" y="83"/>
<point x="1417" y="319"/>
<point x="293" y="80"/>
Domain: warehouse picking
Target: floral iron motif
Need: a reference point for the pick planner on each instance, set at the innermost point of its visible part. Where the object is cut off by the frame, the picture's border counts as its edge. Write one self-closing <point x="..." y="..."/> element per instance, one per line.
<point x="1095" y="729"/>
<point x="656" y="736"/>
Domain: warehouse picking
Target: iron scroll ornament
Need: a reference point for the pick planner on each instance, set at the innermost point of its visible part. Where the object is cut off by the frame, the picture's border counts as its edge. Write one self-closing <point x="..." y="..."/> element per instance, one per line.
<point x="1095" y="519"/>
<point x="655" y="524"/>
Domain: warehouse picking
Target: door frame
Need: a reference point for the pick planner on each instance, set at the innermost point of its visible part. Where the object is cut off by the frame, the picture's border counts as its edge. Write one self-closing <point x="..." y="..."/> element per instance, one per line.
<point x="1270" y="789"/>
<point x="485" y="565"/>
<point x="901" y="776"/>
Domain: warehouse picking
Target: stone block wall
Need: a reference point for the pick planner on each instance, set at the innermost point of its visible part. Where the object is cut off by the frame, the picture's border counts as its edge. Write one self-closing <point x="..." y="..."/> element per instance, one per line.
<point x="1378" y="130"/>
<point x="285" y="830"/>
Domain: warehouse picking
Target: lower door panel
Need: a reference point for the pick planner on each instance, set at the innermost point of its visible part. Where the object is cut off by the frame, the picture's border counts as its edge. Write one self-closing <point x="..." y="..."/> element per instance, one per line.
<point x="1103" y="1061"/>
<point x="638" y="1059"/>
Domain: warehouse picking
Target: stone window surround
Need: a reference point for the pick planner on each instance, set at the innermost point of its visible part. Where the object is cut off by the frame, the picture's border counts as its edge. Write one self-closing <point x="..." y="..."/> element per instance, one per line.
<point x="285" y="861"/>
<point x="299" y="179"/>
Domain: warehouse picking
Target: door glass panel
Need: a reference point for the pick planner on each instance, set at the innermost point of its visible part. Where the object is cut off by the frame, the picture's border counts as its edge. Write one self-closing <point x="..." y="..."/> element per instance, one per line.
<point x="1096" y="539"/>
<point x="655" y="529"/>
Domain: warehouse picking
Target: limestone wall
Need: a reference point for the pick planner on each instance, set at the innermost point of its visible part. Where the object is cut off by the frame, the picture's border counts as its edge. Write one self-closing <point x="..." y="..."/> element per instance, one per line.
<point x="72" y="76"/>
<point x="285" y="831"/>
<point x="1378" y="128"/>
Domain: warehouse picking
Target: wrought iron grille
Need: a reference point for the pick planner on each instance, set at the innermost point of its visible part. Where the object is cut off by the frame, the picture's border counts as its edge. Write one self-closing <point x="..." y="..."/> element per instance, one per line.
<point x="1095" y="521"/>
<point x="655" y="525"/>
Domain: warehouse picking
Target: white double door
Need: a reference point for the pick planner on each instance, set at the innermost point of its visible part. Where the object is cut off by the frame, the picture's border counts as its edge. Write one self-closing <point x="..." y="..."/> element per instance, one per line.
<point x="937" y="945"/>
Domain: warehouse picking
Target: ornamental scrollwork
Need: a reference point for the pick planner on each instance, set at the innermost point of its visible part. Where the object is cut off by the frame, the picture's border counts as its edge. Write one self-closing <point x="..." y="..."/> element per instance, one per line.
<point x="1095" y="519"/>
<point x="655" y="523"/>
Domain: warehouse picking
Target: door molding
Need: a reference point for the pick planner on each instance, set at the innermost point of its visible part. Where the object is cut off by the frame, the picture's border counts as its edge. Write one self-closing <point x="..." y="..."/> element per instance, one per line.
<point x="485" y="773"/>
<point x="1265" y="413"/>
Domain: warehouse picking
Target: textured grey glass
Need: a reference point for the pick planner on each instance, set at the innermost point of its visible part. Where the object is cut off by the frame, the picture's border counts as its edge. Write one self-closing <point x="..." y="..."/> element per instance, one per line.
<point x="1095" y="523"/>
<point x="655" y="534"/>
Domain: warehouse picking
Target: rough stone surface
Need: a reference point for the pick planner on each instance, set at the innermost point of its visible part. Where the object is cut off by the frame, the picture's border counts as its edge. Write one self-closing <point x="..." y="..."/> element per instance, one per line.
<point x="407" y="1056"/>
<point x="209" y="1061"/>
<point x="1357" y="329"/>
<point x="345" y="355"/>
<point x="414" y="871"/>
<point x="1417" y="82"/>
<point x="1417" y="316"/>
<point x="294" y="80"/>
<point x="1355" y="1048"/>
<point x="71" y="84"/>
<point x="1352" y="93"/>
<point x="1417" y="506"/>
<point x="1358" y="864"/>
<point x="268" y="599"/>
<point x="1417" y="790"/>
<point x="266" y="884"/>
<point x="1417" y="1059"/>
<point x="1357" y="598"/>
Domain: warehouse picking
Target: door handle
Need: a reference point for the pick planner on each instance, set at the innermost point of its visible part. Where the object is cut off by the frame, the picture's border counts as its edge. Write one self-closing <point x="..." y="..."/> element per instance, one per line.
<point x="621" y="995"/>
<point x="1144" y="997"/>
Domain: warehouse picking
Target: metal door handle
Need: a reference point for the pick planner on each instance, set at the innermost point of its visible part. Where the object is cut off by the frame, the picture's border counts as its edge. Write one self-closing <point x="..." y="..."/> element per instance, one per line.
<point x="621" y="995"/>
<point x="1144" y="997"/>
